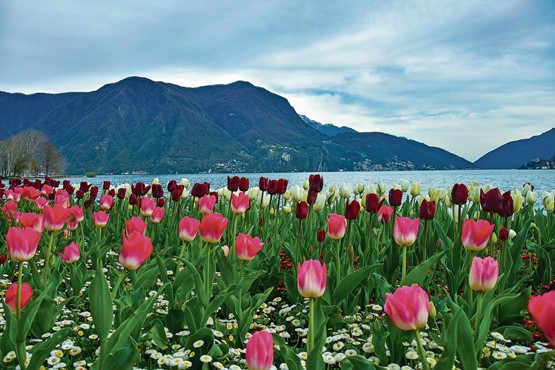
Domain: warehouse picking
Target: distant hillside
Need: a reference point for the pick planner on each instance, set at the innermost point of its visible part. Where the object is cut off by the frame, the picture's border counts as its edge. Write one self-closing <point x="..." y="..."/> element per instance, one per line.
<point x="327" y="129"/>
<point x="518" y="153"/>
<point x="140" y="125"/>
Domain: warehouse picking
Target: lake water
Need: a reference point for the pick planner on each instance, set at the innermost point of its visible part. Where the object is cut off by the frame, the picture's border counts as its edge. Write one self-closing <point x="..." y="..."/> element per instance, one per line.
<point x="543" y="180"/>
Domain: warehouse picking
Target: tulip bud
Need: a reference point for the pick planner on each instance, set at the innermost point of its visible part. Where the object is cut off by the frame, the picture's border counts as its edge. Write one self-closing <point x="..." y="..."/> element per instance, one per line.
<point x="403" y="185"/>
<point x="503" y="234"/>
<point x="359" y="188"/>
<point x="345" y="190"/>
<point x="321" y="235"/>
<point x="433" y="311"/>
<point x="415" y="189"/>
<point x="320" y="203"/>
<point x="531" y="197"/>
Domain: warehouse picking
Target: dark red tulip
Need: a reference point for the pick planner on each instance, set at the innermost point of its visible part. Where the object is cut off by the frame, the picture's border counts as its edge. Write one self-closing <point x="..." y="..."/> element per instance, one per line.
<point x="321" y="235"/>
<point x="491" y="201"/>
<point x="112" y="192"/>
<point x="171" y="186"/>
<point x="244" y="184"/>
<point x="176" y="195"/>
<point x="395" y="197"/>
<point x="311" y="198"/>
<point x="503" y="234"/>
<point x="121" y="193"/>
<point x="157" y="191"/>
<point x="271" y="187"/>
<point x="214" y="193"/>
<point x="70" y="189"/>
<point x="352" y="210"/>
<point x="373" y="203"/>
<point x="93" y="192"/>
<point x="316" y="183"/>
<point x="106" y="185"/>
<point x="85" y="186"/>
<point x="263" y="183"/>
<point x="301" y="212"/>
<point x="160" y="203"/>
<point x="281" y="186"/>
<point x="133" y="200"/>
<point x="54" y="183"/>
<point x="233" y="183"/>
<point x="80" y="194"/>
<point x="140" y="189"/>
<point x="66" y="183"/>
<point x="459" y="194"/>
<point x="507" y="206"/>
<point x="200" y="189"/>
<point x="427" y="210"/>
<point x="89" y="202"/>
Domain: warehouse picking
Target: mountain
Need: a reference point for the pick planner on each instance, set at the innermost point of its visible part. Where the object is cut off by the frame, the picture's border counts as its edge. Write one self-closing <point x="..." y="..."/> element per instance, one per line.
<point x="138" y="125"/>
<point x="517" y="154"/>
<point x="327" y="129"/>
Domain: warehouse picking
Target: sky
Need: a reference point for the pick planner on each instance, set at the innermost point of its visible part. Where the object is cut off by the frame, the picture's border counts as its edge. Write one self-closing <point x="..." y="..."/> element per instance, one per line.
<point x="465" y="76"/>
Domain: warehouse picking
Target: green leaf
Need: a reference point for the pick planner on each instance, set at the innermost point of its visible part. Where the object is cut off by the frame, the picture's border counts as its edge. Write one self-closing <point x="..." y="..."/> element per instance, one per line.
<point x="466" y="350"/>
<point x="199" y="285"/>
<point x="124" y="358"/>
<point x="43" y="349"/>
<point x="350" y="282"/>
<point x="420" y="272"/>
<point x="101" y="304"/>
<point x="358" y="362"/>
<point x="289" y="356"/>
<point x="484" y="328"/>
<point x="158" y="334"/>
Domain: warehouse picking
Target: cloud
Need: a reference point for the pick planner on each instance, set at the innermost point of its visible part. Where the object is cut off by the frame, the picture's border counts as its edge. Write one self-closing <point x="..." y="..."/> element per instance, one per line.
<point x="448" y="73"/>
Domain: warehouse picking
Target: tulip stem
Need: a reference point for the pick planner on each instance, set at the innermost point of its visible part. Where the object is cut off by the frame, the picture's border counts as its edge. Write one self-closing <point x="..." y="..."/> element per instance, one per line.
<point x="404" y="263"/>
<point x="47" y="253"/>
<point x="421" y="351"/>
<point x="479" y="302"/>
<point x="311" y="329"/>
<point x="338" y="263"/>
<point x="207" y="273"/>
<point x="116" y="286"/>
<point x="18" y="297"/>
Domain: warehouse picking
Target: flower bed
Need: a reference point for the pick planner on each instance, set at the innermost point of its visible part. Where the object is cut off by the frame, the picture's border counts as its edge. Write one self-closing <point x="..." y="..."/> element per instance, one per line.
<point x="355" y="277"/>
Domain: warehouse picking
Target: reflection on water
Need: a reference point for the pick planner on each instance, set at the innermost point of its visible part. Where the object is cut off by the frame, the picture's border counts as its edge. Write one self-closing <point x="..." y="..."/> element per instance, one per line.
<point x="543" y="180"/>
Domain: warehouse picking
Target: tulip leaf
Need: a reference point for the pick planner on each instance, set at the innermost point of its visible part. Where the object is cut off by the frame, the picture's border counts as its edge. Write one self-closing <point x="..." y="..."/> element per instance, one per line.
<point x="125" y="357"/>
<point x="158" y="334"/>
<point x="465" y="348"/>
<point x="358" y="362"/>
<point x="43" y="349"/>
<point x="420" y="272"/>
<point x="351" y="281"/>
<point x="288" y="355"/>
<point x="484" y="328"/>
<point x="101" y="304"/>
<point x="199" y="285"/>
<point x="447" y="360"/>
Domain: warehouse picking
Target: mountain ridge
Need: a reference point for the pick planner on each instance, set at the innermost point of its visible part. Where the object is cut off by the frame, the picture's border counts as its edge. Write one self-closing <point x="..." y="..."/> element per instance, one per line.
<point x="137" y="124"/>
<point x="518" y="153"/>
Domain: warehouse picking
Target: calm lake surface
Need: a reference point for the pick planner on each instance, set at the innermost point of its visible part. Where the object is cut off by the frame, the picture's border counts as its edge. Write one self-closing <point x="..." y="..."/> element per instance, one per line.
<point x="543" y="180"/>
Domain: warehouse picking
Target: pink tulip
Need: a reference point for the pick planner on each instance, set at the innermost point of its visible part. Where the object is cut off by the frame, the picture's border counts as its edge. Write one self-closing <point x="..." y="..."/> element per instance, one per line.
<point x="475" y="234"/>
<point x="78" y="213"/>
<point x="206" y="204"/>
<point x="22" y="243"/>
<point x="55" y="217"/>
<point x="40" y="202"/>
<point x="46" y="189"/>
<point x="247" y="247"/>
<point x="100" y="218"/>
<point x="188" y="228"/>
<point x="11" y="296"/>
<point x="147" y="206"/>
<point x="33" y="220"/>
<point x="311" y="278"/>
<point x="240" y="203"/>
<point x="384" y="214"/>
<point x="337" y="224"/>
<point x="405" y="230"/>
<point x="62" y="198"/>
<point x="135" y="250"/>
<point x="408" y="307"/>
<point x="212" y="227"/>
<point x="135" y="224"/>
<point x="157" y="215"/>
<point x="71" y="253"/>
<point x="483" y="274"/>
<point x="260" y="351"/>
<point x="30" y="193"/>
<point x="542" y="308"/>
<point x="106" y="202"/>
